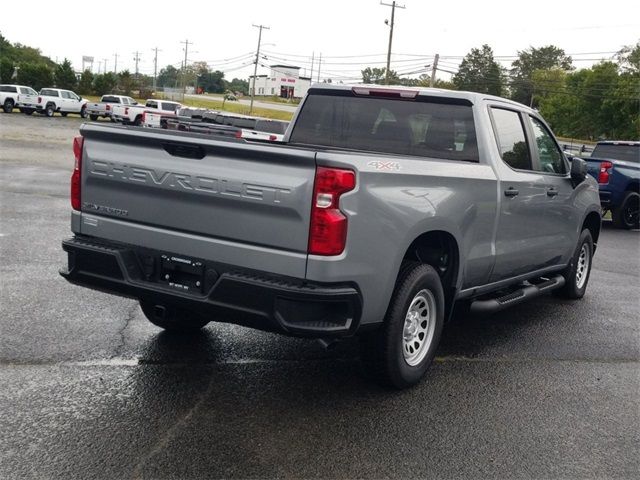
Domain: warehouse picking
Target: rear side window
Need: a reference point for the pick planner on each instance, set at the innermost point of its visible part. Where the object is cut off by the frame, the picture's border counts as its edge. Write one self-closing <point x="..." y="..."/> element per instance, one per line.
<point x="8" y="88"/>
<point x="49" y="93"/>
<point x="625" y="152"/>
<point x="110" y="99"/>
<point x="511" y="139"/>
<point x="425" y="126"/>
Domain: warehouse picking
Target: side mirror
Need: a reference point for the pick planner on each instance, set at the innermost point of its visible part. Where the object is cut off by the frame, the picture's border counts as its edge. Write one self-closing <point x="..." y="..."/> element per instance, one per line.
<point x="578" y="170"/>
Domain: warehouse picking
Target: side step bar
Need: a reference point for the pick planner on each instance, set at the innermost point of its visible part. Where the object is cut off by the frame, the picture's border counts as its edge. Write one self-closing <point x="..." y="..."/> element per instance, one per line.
<point x="522" y="294"/>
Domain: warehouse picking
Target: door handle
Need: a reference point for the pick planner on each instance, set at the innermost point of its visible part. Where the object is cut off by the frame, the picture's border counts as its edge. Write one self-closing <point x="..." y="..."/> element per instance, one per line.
<point x="552" y="192"/>
<point x="511" y="192"/>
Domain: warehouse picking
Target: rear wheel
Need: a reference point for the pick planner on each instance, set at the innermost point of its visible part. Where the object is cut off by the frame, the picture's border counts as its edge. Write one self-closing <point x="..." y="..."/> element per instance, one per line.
<point x="400" y="352"/>
<point x="576" y="275"/>
<point x="50" y="110"/>
<point x="138" y="121"/>
<point x="93" y="117"/>
<point x="83" y="112"/>
<point x="172" y="318"/>
<point x="7" y="106"/>
<point x="626" y="216"/>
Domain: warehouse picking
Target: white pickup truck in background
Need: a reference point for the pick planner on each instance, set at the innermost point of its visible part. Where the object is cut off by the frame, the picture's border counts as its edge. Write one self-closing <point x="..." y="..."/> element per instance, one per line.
<point x="104" y="108"/>
<point x="9" y="97"/>
<point x="51" y="100"/>
<point x="133" y="114"/>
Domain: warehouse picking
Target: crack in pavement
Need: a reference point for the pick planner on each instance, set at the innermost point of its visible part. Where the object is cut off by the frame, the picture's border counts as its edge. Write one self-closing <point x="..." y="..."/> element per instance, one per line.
<point x="131" y="314"/>
<point x="163" y="441"/>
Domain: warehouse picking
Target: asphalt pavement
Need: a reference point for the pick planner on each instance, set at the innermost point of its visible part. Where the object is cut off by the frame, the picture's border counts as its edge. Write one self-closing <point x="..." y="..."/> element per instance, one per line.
<point x="91" y="390"/>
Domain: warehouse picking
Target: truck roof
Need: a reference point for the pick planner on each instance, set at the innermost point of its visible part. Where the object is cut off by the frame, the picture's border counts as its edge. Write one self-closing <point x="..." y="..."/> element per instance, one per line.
<point x="619" y="142"/>
<point x="473" y="97"/>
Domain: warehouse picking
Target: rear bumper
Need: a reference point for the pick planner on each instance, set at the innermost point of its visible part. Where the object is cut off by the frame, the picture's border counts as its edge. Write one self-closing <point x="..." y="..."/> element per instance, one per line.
<point x="225" y="294"/>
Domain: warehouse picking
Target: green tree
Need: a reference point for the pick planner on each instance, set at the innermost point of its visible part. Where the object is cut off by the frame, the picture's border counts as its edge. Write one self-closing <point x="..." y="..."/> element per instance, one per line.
<point x="479" y="72"/>
<point x="530" y="60"/>
<point x="6" y="70"/>
<point x="378" y="76"/>
<point x="126" y="83"/>
<point x="85" y="85"/>
<point x="629" y="58"/>
<point x="213" y="82"/>
<point x="168" y="77"/>
<point x="105" y="83"/>
<point x="36" y="75"/>
<point x="64" y="76"/>
<point x="239" y="85"/>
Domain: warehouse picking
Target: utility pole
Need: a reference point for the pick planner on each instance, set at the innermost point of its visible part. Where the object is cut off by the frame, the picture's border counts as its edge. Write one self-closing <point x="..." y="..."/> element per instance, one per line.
<point x="313" y="54"/>
<point x="255" y="67"/>
<point x="137" y="59"/>
<point x="184" y="67"/>
<point x="155" y="67"/>
<point x="105" y="65"/>
<point x="319" y="66"/>
<point x="115" y="69"/>
<point x="99" y="66"/>
<point x="393" y="11"/>
<point x="434" y="67"/>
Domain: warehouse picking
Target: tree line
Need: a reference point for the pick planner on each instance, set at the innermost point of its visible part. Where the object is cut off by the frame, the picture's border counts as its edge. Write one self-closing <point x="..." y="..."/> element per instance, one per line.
<point x="599" y="102"/>
<point x="27" y="66"/>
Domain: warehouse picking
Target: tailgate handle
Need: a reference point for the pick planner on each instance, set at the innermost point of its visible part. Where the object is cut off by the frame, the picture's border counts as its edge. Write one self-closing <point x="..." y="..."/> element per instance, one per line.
<point x="184" y="150"/>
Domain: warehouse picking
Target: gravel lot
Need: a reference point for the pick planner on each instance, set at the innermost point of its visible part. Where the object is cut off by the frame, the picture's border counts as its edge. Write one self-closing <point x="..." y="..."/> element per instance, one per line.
<point x="90" y="389"/>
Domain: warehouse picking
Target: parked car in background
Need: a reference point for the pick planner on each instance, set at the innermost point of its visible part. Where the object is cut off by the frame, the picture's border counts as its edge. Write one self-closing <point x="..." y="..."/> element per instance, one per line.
<point x="104" y="108"/>
<point x="10" y="96"/>
<point x="52" y="100"/>
<point x="616" y="166"/>
<point x="133" y="114"/>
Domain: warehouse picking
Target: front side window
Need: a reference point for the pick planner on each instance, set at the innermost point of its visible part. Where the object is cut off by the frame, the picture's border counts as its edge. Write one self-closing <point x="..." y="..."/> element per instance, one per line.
<point x="511" y="138"/>
<point x="550" y="157"/>
<point x="425" y="126"/>
<point x="27" y="91"/>
<point x="46" y="92"/>
<point x="66" y="94"/>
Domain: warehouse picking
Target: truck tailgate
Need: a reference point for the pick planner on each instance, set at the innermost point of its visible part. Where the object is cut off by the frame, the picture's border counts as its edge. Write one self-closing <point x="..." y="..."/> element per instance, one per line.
<point x="227" y="190"/>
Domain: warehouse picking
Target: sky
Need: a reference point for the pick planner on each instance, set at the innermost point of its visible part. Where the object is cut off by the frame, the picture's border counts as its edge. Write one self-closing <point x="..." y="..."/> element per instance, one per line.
<point x="349" y="34"/>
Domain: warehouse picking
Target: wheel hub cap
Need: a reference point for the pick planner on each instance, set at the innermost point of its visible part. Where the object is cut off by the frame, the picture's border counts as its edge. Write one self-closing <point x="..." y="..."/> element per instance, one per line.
<point x="419" y="327"/>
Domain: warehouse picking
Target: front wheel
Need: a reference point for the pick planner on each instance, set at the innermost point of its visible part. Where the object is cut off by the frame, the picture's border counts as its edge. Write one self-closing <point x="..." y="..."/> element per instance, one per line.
<point x="7" y="106"/>
<point x="172" y="318"/>
<point x="400" y="352"/>
<point x="626" y="216"/>
<point x="576" y="275"/>
<point x="83" y="112"/>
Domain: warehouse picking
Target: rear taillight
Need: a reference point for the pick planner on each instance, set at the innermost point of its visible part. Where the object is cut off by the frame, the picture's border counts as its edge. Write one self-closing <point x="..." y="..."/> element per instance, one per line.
<point x="108" y="107"/>
<point x="39" y="99"/>
<point x="605" y="172"/>
<point x="144" y="117"/>
<point x="328" y="230"/>
<point x="76" y="177"/>
<point x="126" y="110"/>
<point x="238" y="134"/>
<point x="272" y="138"/>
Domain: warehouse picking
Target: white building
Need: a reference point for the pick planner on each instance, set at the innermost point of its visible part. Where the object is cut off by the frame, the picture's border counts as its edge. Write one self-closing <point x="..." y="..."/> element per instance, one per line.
<point x="283" y="81"/>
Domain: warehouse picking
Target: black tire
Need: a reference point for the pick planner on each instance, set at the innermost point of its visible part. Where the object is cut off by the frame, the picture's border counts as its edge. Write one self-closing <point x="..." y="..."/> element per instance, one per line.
<point x="172" y="318"/>
<point x="64" y="114"/>
<point x="7" y="106"/>
<point x="93" y="117"/>
<point x="83" y="112"/>
<point x="138" y="121"/>
<point x="576" y="275"/>
<point x="50" y="109"/>
<point x="383" y="350"/>
<point x="626" y="215"/>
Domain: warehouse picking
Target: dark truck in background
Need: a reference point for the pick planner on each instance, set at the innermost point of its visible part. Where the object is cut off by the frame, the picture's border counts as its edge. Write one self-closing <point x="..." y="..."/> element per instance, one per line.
<point x="381" y="211"/>
<point x="616" y="167"/>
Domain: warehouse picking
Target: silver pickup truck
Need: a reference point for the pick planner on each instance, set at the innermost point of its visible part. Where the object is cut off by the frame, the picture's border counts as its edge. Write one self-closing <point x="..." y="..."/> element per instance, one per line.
<point x="382" y="211"/>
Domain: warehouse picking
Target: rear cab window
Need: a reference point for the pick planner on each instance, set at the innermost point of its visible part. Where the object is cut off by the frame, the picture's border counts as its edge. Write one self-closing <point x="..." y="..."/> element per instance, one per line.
<point x="425" y="126"/>
<point x="46" y="92"/>
<point x="110" y="99"/>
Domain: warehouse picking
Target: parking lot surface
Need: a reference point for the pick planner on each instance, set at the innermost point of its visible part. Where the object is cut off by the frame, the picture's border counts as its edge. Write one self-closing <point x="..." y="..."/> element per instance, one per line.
<point x="90" y="389"/>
